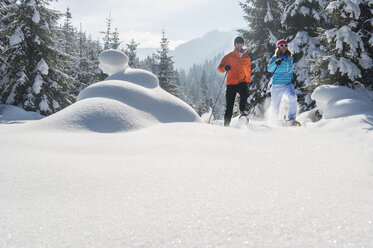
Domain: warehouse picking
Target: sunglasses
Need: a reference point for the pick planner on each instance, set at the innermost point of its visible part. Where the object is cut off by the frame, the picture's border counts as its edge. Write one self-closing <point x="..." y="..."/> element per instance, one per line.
<point x="283" y="45"/>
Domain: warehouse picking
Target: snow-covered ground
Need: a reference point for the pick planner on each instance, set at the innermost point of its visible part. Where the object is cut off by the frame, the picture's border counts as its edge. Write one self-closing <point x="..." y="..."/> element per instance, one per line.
<point x="69" y="180"/>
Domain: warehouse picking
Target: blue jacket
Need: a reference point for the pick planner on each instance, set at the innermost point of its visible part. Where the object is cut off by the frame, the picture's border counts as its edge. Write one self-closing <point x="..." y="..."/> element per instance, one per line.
<point x="284" y="73"/>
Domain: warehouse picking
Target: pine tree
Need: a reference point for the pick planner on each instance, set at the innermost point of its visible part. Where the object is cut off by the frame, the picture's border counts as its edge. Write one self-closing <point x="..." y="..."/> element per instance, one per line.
<point x="165" y="69"/>
<point x="34" y="80"/>
<point x="87" y="62"/>
<point x="300" y="21"/>
<point x="133" y="61"/>
<point x="108" y="33"/>
<point x="115" y="42"/>
<point x="68" y="44"/>
<point x="150" y="64"/>
<point x="68" y="33"/>
<point x="348" y="44"/>
<point x="204" y="101"/>
<point x="261" y="36"/>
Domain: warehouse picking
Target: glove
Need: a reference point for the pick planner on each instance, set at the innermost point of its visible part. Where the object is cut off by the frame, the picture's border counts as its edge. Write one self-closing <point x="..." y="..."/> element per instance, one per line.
<point x="278" y="62"/>
<point x="227" y="67"/>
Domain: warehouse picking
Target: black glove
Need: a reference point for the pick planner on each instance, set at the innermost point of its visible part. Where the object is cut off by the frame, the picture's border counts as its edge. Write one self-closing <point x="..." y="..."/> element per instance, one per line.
<point x="278" y="62"/>
<point x="227" y="67"/>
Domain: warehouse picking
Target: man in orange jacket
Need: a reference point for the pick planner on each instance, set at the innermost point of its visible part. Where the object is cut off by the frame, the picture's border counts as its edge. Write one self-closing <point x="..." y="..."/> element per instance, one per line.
<point x="237" y="64"/>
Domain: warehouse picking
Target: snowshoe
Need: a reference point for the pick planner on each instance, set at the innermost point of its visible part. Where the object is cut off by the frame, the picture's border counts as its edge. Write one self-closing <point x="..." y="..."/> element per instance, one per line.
<point x="293" y="123"/>
<point x="244" y="118"/>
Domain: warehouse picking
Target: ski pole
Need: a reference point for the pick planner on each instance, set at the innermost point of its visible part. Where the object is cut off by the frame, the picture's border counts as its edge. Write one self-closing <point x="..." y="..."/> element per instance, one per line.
<point x="221" y="87"/>
<point x="270" y="78"/>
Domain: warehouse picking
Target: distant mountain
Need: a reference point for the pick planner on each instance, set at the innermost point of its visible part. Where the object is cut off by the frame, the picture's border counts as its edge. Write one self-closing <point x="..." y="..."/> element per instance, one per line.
<point x="196" y="51"/>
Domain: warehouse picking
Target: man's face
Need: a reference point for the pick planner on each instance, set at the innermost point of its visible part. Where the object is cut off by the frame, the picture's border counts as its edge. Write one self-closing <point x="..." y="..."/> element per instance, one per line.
<point x="239" y="46"/>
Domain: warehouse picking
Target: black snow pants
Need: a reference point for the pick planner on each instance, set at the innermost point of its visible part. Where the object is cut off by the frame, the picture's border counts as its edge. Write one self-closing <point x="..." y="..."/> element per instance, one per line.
<point x="230" y="96"/>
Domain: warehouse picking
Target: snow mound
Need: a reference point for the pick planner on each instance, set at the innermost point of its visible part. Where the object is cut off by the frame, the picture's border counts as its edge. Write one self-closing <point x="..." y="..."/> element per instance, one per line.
<point x="128" y="99"/>
<point x="137" y="76"/>
<point x="339" y="101"/>
<point x="98" y="115"/>
<point x="115" y="64"/>
<point x="161" y="105"/>
<point x="11" y="114"/>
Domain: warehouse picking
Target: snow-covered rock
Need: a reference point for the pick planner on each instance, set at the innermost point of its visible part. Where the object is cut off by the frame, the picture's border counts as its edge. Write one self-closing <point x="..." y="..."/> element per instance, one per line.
<point x="128" y="99"/>
<point x="339" y="101"/>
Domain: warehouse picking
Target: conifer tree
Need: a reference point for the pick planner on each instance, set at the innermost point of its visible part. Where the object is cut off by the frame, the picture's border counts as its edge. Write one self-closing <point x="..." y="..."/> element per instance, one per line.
<point x="165" y="69"/>
<point x="34" y="80"/>
<point x="108" y="33"/>
<point x="69" y="35"/>
<point x="115" y="42"/>
<point x="263" y="18"/>
<point x="204" y="101"/>
<point x="87" y="62"/>
<point x="348" y="44"/>
<point x="301" y="20"/>
<point x="133" y="61"/>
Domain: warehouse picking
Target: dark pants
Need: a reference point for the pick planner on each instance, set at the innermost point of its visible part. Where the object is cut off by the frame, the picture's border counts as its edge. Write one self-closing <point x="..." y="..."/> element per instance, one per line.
<point x="230" y="96"/>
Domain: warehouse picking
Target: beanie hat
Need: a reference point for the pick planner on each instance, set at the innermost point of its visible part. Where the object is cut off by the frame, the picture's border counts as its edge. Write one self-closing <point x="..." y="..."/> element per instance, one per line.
<point x="281" y="42"/>
<point x="238" y="39"/>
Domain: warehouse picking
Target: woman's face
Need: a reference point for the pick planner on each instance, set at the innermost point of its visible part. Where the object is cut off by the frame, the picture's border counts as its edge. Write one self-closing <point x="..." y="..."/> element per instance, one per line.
<point x="283" y="48"/>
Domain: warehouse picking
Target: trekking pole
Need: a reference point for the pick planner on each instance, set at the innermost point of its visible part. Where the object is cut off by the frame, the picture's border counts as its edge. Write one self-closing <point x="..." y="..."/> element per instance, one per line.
<point x="221" y="87"/>
<point x="270" y="78"/>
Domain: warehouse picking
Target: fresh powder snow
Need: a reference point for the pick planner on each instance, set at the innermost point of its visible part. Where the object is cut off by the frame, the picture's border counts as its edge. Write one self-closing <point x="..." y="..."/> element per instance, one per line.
<point x="129" y="165"/>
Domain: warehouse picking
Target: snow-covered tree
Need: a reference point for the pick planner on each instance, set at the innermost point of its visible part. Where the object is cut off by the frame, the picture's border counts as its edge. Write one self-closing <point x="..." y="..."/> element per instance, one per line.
<point x="204" y="100"/>
<point x="149" y="63"/>
<point x="34" y="80"/>
<point x="115" y="41"/>
<point x="69" y="38"/>
<point x="301" y="19"/>
<point x="348" y="44"/>
<point x="133" y="61"/>
<point x="264" y="29"/>
<point x="165" y="69"/>
<point x="87" y="62"/>
<point x="108" y="34"/>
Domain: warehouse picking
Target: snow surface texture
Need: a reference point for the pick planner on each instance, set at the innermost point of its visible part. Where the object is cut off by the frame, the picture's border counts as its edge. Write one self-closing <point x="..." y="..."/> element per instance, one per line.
<point x="188" y="184"/>
<point x="127" y="100"/>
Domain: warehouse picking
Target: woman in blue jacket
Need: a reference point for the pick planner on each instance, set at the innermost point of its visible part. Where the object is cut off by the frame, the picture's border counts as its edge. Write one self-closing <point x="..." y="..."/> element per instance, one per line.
<point x="282" y="81"/>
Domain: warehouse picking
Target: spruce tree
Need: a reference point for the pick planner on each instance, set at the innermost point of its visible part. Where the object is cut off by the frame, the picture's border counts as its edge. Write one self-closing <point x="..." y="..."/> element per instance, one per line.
<point x="87" y="62"/>
<point x="115" y="42"/>
<point x="34" y="81"/>
<point x="68" y="35"/>
<point x="149" y="63"/>
<point x="165" y="69"/>
<point x="204" y="101"/>
<point x="133" y="61"/>
<point x="108" y="33"/>
<point x="348" y="45"/>
<point x="264" y="29"/>
<point x="301" y="20"/>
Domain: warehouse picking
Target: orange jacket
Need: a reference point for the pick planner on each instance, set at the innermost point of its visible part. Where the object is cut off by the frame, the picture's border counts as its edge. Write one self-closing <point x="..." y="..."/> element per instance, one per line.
<point x="241" y="67"/>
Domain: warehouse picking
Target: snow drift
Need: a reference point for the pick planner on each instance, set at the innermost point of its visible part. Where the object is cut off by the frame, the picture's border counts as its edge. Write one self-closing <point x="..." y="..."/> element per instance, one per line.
<point x="339" y="101"/>
<point x="11" y="114"/>
<point x="128" y="99"/>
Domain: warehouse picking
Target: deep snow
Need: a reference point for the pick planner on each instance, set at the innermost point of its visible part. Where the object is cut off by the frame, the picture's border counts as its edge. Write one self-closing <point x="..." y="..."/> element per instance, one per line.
<point x="88" y="176"/>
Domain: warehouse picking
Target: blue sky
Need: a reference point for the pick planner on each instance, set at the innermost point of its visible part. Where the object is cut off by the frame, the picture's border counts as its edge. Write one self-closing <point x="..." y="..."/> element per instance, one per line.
<point x="143" y="20"/>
